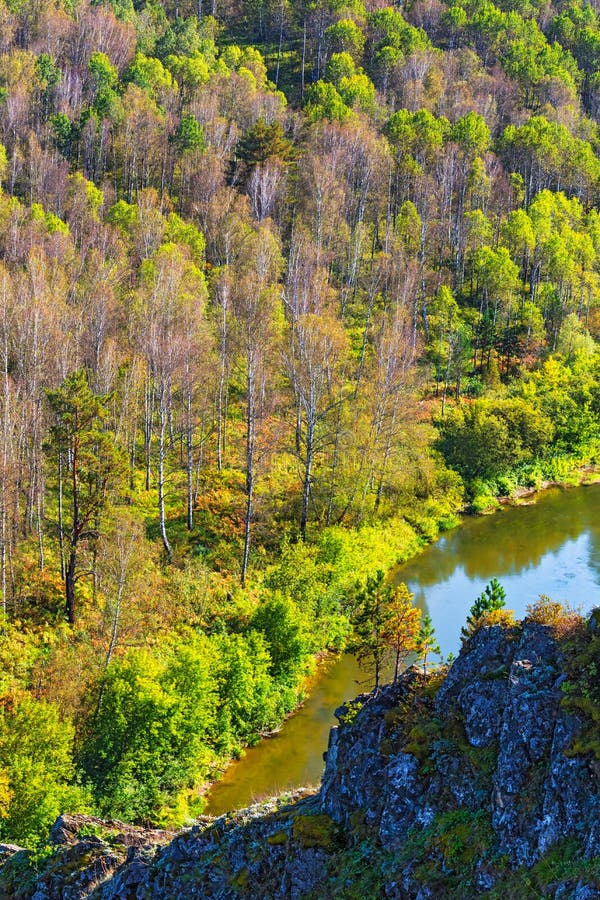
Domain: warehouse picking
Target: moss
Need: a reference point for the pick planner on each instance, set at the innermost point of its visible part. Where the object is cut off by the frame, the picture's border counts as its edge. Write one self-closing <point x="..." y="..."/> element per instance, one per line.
<point x="240" y="880"/>
<point x="498" y="674"/>
<point x="278" y="837"/>
<point x="484" y="759"/>
<point x="316" y="831"/>
<point x="582" y="688"/>
<point x="434" y="682"/>
<point x="386" y="747"/>
<point x="358" y="873"/>
<point x="18" y="875"/>
<point x="393" y="717"/>
<point x="446" y="852"/>
<point x="358" y="823"/>
<point x="564" y="863"/>
<point x="421" y="737"/>
<point x="94" y="830"/>
<point x="410" y="726"/>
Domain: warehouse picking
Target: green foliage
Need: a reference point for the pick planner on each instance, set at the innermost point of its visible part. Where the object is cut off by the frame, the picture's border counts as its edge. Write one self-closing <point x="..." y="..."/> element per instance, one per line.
<point x="385" y="624"/>
<point x="150" y="74"/>
<point x="65" y="133"/>
<point x="85" y="448"/>
<point x="122" y="214"/>
<point x="177" y="232"/>
<point x="147" y="745"/>
<point x="564" y="862"/>
<point x="103" y="72"/>
<point x="189" y="135"/>
<point x="36" y="761"/>
<point x="471" y="133"/>
<point x="340" y="65"/>
<point x="346" y="37"/>
<point x="448" y="850"/>
<point x="426" y="642"/>
<point x="324" y="102"/>
<point x="251" y="701"/>
<point x="286" y="634"/>
<point x="560" y="158"/>
<point x="581" y="689"/>
<point x="262" y="142"/>
<point x="492" y="598"/>
<point x="369" y="621"/>
<point x="390" y="29"/>
<point x="48" y="73"/>
<point x="489" y="438"/>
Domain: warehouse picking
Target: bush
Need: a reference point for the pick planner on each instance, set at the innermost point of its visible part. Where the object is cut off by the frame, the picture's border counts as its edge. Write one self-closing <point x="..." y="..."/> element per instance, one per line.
<point x="250" y="699"/>
<point x="37" y="771"/>
<point x="558" y="616"/>
<point x="150" y="740"/>
<point x="285" y="631"/>
<point x="484" y="496"/>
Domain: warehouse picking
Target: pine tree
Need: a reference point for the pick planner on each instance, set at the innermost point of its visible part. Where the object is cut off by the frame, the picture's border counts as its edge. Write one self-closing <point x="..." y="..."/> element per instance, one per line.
<point x="88" y="463"/>
<point x="370" y="621"/>
<point x="426" y="642"/>
<point x="491" y="599"/>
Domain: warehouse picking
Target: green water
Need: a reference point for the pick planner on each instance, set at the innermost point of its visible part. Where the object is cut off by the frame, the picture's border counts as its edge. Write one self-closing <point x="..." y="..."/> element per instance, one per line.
<point x="551" y="547"/>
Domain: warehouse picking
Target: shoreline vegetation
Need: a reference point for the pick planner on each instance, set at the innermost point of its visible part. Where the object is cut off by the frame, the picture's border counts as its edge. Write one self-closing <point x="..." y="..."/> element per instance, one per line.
<point x="581" y="476"/>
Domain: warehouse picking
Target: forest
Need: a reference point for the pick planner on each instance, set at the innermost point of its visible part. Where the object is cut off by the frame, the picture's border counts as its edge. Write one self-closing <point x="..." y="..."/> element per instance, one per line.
<point x="284" y="286"/>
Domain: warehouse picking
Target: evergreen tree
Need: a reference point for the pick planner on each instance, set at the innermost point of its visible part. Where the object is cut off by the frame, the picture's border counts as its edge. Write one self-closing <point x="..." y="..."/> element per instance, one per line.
<point x="370" y="622"/>
<point x="426" y="642"/>
<point x="490" y="599"/>
<point x="88" y="464"/>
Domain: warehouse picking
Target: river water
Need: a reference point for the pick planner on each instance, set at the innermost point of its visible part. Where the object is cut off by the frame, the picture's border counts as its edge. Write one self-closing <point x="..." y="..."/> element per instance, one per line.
<point x="550" y="547"/>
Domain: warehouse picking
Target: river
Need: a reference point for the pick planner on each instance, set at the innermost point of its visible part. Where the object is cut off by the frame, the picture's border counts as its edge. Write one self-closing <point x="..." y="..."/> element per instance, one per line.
<point x="551" y="546"/>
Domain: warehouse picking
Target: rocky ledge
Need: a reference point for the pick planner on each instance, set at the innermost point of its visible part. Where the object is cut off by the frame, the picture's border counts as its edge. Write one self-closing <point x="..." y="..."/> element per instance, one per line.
<point x="481" y="780"/>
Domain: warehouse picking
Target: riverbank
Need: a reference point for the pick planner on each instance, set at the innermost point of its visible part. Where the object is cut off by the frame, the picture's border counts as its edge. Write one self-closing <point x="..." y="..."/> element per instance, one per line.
<point x="582" y="476"/>
<point x="546" y="545"/>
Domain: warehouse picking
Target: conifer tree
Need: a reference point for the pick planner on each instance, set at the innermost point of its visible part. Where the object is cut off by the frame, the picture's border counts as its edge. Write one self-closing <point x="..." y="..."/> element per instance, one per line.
<point x="88" y="463"/>
<point x="490" y="599"/>
<point x="426" y="642"/>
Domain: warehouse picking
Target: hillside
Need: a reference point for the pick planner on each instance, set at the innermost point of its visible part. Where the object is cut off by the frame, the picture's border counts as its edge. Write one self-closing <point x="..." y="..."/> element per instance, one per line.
<point x="284" y="286"/>
<point x="482" y="780"/>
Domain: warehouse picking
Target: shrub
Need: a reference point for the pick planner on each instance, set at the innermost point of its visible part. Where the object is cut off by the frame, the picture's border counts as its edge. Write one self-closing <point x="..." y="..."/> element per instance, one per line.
<point x="558" y="616"/>
<point x="37" y="783"/>
<point x="149" y="741"/>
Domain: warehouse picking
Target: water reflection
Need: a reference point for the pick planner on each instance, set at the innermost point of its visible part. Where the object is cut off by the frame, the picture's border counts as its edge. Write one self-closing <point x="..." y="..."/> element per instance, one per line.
<point x="552" y="547"/>
<point x="295" y="756"/>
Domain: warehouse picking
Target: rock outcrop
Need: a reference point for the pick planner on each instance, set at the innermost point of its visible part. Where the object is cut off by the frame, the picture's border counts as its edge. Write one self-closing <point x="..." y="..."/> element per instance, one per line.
<point x="480" y="781"/>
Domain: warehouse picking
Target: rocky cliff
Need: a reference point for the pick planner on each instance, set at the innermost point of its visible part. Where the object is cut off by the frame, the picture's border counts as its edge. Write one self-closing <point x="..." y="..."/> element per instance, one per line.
<point x="483" y="780"/>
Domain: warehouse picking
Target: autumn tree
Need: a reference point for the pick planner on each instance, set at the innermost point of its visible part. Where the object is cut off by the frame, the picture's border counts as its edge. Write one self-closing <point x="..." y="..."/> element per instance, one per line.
<point x="401" y="628"/>
<point x="314" y="361"/>
<point x="256" y="307"/>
